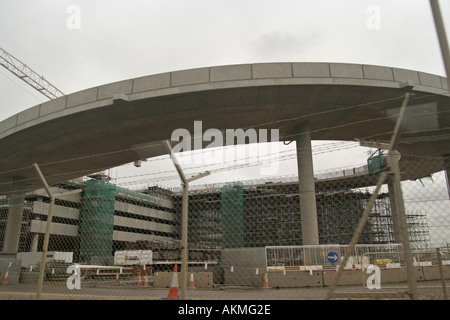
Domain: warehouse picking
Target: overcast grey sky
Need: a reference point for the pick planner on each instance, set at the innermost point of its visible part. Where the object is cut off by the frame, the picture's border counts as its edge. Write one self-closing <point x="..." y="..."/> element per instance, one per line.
<point x="113" y="40"/>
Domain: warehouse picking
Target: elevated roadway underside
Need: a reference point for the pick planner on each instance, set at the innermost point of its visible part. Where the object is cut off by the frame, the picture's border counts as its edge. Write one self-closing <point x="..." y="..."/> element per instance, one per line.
<point x="122" y="122"/>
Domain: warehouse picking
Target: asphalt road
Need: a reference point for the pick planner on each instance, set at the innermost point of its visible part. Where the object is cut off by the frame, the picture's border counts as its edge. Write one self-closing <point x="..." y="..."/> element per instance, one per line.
<point x="430" y="290"/>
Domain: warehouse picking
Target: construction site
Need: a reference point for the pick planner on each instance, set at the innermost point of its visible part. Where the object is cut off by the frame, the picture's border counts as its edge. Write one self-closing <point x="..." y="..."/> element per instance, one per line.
<point x="233" y="216"/>
<point x="66" y="226"/>
<point x="268" y="215"/>
<point x="102" y="220"/>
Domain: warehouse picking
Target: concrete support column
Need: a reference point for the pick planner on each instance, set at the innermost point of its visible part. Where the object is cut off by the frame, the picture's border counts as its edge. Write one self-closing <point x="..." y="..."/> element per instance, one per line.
<point x="15" y="214"/>
<point x="308" y="209"/>
<point x="394" y="210"/>
<point x="35" y="243"/>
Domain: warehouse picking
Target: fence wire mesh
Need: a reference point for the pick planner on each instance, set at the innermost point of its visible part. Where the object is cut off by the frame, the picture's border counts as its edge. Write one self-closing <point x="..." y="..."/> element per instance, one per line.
<point x="241" y="235"/>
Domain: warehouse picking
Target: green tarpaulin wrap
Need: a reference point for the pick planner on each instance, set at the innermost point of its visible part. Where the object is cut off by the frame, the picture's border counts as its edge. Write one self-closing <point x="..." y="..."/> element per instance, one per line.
<point x="233" y="216"/>
<point x="97" y="220"/>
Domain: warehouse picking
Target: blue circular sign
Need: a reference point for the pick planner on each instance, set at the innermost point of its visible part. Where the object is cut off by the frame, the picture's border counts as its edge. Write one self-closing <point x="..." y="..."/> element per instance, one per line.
<point x="333" y="257"/>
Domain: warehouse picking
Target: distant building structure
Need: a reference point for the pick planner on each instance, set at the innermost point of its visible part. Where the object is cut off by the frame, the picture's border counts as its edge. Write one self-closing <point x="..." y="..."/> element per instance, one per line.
<point x="104" y="218"/>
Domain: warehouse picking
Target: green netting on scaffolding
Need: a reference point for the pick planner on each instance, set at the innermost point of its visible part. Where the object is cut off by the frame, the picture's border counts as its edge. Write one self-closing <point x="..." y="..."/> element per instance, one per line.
<point x="232" y="221"/>
<point x="97" y="220"/>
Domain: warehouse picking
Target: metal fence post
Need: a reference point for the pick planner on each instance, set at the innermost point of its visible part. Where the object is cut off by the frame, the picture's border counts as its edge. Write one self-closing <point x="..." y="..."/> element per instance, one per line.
<point x="47" y="233"/>
<point x="410" y="271"/>
<point x="184" y="217"/>
<point x="441" y="273"/>
<point x="392" y="154"/>
<point x="47" y="228"/>
<point x="440" y="30"/>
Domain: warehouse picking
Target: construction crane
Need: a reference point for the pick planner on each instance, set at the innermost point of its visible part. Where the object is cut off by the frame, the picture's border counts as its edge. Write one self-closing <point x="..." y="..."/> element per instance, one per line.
<point x="25" y="73"/>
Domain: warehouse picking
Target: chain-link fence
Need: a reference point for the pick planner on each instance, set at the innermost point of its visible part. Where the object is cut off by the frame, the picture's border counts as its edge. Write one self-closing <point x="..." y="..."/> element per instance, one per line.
<point x="244" y="238"/>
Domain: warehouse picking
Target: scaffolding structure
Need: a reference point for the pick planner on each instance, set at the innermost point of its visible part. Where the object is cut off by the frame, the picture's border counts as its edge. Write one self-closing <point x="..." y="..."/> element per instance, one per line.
<point x="418" y="229"/>
<point x="269" y="215"/>
<point x="238" y="215"/>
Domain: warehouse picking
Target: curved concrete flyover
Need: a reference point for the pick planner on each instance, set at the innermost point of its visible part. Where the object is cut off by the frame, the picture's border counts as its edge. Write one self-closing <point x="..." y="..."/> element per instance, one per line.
<point x="121" y="122"/>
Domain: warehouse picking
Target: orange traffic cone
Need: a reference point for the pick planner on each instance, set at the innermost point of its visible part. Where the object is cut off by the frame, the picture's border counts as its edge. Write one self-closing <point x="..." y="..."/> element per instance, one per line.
<point x="117" y="278"/>
<point x="266" y="281"/>
<point x="173" y="292"/>
<point x="191" y="281"/>
<point x="5" y="279"/>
